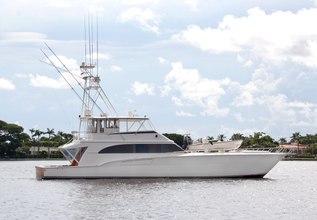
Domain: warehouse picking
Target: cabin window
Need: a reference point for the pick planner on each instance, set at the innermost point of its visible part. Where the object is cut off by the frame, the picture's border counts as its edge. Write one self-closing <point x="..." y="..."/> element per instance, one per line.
<point x="141" y="148"/>
<point x="80" y="153"/>
<point x="125" y="148"/>
<point x="111" y="123"/>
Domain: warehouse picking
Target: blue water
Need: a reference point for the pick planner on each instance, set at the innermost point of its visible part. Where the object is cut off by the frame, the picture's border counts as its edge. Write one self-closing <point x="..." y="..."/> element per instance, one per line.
<point x="289" y="191"/>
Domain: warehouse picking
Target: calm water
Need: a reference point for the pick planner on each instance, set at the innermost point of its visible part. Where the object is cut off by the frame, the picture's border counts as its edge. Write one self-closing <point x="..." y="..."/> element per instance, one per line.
<point x="289" y="191"/>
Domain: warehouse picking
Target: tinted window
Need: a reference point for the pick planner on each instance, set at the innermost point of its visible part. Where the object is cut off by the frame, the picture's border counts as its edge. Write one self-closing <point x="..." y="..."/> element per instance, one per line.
<point x="170" y="148"/>
<point x="141" y="148"/>
<point x="126" y="148"/>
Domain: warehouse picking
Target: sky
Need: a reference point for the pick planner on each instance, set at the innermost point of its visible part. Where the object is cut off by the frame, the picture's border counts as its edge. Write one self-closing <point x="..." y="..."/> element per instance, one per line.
<point x="194" y="67"/>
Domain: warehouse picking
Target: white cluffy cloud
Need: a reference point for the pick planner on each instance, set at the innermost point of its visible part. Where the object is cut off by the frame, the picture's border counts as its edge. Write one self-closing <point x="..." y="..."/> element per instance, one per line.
<point x="44" y="81"/>
<point x="47" y="82"/>
<point x="184" y="114"/>
<point x="116" y="69"/>
<point x="192" y="89"/>
<point x="274" y="38"/>
<point x="162" y="60"/>
<point x="6" y="84"/>
<point x="139" y="88"/>
<point x="249" y="94"/>
<point x="146" y="18"/>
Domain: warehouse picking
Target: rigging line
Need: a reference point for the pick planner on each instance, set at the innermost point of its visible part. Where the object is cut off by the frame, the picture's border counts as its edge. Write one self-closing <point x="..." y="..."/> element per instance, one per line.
<point x="100" y="95"/>
<point x="91" y="99"/>
<point x="103" y="92"/>
<point x="64" y="65"/>
<point x="61" y="69"/>
<point x="62" y="75"/>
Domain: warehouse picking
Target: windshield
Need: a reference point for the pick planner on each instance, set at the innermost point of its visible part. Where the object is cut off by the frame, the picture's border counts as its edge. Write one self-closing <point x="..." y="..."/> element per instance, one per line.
<point x="74" y="155"/>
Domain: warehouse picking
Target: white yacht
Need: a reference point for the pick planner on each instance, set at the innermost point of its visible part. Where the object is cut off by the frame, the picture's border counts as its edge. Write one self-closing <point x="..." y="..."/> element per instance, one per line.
<point x="113" y="146"/>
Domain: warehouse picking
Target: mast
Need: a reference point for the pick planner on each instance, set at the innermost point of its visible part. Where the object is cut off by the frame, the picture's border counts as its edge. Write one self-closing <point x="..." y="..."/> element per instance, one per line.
<point x="94" y="97"/>
<point x="93" y="94"/>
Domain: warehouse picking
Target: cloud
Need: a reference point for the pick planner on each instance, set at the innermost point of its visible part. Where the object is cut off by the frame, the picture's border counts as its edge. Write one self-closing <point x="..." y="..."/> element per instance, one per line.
<point x="22" y="37"/>
<point x="139" y="88"/>
<point x="116" y="69"/>
<point x="162" y="60"/>
<point x="192" y="4"/>
<point x="44" y="81"/>
<point x="140" y="2"/>
<point x="47" y="82"/>
<point x="290" y="113"/>
<point x="192" y="89"/>
<point x="59" y="4"/>
<point x="262" y="83"/>
<point x="70" y="63"/>
<point x="6" y="84"/>
<point x="145" y="18"/>
<point x="184" y="114"/>
<point x="101" y="56"/>
<point x="272" y="38"/>
<point x="177" y="101"/>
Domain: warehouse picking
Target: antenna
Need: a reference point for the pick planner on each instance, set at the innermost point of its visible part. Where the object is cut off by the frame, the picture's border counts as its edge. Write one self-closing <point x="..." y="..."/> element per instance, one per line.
<point x="93" y="95"/>
<point x="97" y="45"/>
<point x="85" y="40"/>
<point x="92" y="40"/>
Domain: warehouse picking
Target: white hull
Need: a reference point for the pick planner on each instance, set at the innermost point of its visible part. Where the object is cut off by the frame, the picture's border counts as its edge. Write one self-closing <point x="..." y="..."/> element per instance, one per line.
<point x="185" y="165"/>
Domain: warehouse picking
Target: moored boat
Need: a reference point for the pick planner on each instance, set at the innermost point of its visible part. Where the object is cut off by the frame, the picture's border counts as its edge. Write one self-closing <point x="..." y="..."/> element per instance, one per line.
<point x="112" y="146"/>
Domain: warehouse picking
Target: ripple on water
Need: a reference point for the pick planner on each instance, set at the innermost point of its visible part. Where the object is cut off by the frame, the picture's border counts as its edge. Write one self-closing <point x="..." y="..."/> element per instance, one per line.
<point x="287" y="192"/>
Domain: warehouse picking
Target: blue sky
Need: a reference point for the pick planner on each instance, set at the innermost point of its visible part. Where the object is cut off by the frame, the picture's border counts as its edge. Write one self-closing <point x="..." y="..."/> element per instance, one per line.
<point x="199" y="67"/>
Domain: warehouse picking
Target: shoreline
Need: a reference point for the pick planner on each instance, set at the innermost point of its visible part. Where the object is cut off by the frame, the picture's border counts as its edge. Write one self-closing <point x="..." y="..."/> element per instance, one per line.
<point x="31" y="159"/>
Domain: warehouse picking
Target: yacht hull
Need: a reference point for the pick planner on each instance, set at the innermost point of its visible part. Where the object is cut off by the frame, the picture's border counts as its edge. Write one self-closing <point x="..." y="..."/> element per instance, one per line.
<point x="186" y="165"/>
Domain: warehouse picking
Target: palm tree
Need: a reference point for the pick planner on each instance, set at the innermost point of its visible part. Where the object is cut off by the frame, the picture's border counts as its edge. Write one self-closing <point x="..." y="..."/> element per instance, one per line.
<point x="283" y="141"/>
<point x="38" y="133"/>
<point x="210" y="138"/>
<point x="295" y="138"/>
<point x="237" y="136"/>
<point x="221" y="137"/>
<point x="32" y="133"/>
<point x="50" y="132"/>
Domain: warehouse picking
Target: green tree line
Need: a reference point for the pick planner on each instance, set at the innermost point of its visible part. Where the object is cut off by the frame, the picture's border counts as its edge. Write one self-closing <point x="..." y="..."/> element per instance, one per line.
<point x="15" y="143"/>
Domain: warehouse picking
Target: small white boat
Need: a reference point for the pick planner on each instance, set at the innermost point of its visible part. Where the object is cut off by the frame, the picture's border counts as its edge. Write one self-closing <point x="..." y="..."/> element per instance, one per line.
<point x="112" y="146"/>
<point x="202" y="145"/>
